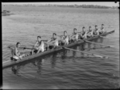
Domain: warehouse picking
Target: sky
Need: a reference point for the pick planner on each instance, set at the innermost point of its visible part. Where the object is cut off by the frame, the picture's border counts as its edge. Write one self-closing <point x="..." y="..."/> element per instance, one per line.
<point x="71" y="3"/>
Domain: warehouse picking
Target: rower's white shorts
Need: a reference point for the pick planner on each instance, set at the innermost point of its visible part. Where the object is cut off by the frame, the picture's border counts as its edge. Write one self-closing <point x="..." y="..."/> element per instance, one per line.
<point x="19" y="57"/>
<point x="16" y="57"/>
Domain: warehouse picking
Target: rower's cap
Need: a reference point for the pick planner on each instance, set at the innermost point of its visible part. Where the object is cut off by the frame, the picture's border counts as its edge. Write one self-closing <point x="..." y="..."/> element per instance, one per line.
<point x="95" y="25"/>
<point x="102" y="24"/>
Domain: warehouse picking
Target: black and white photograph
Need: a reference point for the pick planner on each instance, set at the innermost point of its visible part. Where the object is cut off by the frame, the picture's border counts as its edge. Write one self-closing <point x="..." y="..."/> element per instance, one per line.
<point x="60" y="45"/>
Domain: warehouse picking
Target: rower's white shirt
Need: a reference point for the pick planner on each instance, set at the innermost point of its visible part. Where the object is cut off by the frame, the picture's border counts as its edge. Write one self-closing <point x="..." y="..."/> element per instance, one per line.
<point x="75" y="36"/>
<point x="85" y="35"/>
<point x="103" y="30"/>
<point x="92" y="33"/>
<point x="41" y="47"/>
<point x="89" y="33"/>
<point x="56" y="43"/>
<point x="95" y="31"/>
<point x="66" y="40"/>
<point x="98" y="31"/>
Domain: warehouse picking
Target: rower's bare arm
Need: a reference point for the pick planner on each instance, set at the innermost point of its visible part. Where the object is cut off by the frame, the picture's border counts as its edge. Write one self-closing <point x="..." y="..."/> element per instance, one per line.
<point x="35" y="44"/>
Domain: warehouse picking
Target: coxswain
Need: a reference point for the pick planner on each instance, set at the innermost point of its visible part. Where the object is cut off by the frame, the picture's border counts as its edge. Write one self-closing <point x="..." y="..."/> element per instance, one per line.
<point x="16" y="55"/>
<point x="39" y="45"/>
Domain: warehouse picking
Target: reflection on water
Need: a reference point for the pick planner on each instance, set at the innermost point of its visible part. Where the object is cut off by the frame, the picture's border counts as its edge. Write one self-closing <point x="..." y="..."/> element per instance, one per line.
<point x="63" y="55"/>
<point x="53" y="60"/>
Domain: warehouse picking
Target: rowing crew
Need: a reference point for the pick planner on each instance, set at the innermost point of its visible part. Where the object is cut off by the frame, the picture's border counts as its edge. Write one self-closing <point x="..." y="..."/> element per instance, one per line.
<point x="55" y="41"/>
<point x="90" y="33"/>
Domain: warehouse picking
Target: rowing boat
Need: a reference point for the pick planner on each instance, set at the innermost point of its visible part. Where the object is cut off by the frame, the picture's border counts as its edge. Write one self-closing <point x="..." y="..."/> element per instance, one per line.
<point x="34" y="57"/>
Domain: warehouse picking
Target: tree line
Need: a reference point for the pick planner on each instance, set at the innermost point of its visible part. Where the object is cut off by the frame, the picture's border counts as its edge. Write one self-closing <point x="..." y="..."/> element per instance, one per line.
<point x="74" y="6"/>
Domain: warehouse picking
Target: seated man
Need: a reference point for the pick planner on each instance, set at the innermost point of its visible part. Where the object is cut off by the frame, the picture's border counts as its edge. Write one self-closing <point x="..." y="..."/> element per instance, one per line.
<point x="81" y="34"/>
<point x="39" y="46"/>
<point x="53" y="42"/>
<point x="75" y="35"/>
<point x="16" y="55"/>
<point x="89" y="33"/>
<point x="65" y="38"/>
<point x="95" y="31"/>
<point x="102" y="29"/>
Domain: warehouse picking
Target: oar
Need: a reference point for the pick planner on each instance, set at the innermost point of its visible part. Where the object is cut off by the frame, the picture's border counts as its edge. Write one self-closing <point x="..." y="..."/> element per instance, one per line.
<point x="14" y="46"/>
<point x="27" y="48"/>
<point x="25" y="52"/>
<point x="96" y="48"/>
<point x="87" y="53"/>
<point x="107" y="35"/>
<point x="45" y="40"/>
<point x="22" y="47"/>
<point x="78" y="32"/>
<point x="102" y="36"/>
<point x="110" y="46"/>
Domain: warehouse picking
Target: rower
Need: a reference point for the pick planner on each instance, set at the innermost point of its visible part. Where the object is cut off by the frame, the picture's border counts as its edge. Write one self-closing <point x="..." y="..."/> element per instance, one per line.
<point x="89" y="33"/>
<point x="53" y="42"/>
<point x="82" y="33"/>
<point x="83" y="30"/>
<point x="16" y="55"/>
<point x="102" y="29"/>
<point x="95" y="30"/>
<point x="85" y="35"/>
<point x="39" y="45"/>
<point x="65" y="38"/>
<point x="75" y="35"/>
<point x="92" y="33"/>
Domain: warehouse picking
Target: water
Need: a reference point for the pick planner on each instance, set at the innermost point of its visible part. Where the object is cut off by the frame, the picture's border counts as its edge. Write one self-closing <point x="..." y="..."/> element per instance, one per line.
<point x="72" y="72"/>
